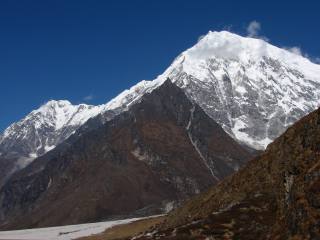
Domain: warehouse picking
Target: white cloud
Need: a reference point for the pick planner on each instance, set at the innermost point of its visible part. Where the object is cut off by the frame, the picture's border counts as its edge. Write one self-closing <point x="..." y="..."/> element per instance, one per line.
<point x="88" y="98"/>
<point x="295" y="50"/>
<point x="298" y="51"/>
<point x="253" y="28"/>
<point x="200" y="37"/>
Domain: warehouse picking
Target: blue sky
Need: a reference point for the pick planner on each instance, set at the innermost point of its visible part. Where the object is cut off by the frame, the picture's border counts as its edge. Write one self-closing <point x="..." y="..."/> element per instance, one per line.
<point x="89" y="51"/>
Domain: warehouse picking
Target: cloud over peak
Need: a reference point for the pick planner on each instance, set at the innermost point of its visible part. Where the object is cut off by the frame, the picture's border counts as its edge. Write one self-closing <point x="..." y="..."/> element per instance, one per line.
<point x="253" y="28"/>
<point x="88" y="97"/>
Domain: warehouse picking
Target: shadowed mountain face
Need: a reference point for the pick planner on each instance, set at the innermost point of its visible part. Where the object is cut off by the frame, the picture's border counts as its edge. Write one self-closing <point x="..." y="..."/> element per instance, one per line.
<point x="163" y="149"/>
<point x="276" y="196"/>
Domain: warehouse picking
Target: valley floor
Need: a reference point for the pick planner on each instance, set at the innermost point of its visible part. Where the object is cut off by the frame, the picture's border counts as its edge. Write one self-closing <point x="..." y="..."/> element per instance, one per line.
<point x="64" y="232"/>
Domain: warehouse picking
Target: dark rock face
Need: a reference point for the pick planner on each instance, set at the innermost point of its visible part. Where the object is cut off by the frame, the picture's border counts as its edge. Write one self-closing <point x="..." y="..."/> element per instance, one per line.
<point x="163" y="149"/>
<point x="276" y="196"/>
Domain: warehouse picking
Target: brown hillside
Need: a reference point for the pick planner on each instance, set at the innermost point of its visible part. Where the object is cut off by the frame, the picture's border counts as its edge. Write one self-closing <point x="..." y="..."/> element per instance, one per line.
<point x="276" y="196"/>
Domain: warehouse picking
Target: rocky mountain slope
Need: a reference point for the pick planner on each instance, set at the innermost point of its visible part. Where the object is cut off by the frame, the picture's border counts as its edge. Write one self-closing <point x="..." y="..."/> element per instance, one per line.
<point x="252" y="89"/>
<point x="164" y="148"/>
<point x="276" y="196"/>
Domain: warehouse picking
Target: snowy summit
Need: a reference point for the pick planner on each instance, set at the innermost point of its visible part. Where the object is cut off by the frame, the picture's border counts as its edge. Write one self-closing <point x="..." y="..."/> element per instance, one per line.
<point x="252" y="88"/>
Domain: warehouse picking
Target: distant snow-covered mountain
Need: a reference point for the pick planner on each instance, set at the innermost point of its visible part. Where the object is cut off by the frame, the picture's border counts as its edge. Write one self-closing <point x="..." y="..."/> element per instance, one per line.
<point x="253" y="89"/>
<point x="43" y="129"/>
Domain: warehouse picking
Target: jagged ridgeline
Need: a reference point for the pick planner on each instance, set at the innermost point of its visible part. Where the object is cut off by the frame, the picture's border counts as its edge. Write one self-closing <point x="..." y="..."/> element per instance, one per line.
<point x="252" y="89"/>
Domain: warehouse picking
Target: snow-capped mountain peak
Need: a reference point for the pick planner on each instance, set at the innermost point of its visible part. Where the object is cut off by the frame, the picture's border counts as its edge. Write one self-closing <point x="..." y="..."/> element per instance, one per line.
<point x="53" y="122"/>
<point x="253" y="89"/>
<point x="61" y="113"/>
<point x="232" y="47"/>
<point x="42" y="129"/>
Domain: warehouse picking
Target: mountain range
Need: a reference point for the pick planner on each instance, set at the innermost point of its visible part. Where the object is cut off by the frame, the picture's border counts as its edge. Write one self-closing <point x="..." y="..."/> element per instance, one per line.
<point x="217" y="105"/>
<point x="252" y="89"/>
<point x="163" y="150"/>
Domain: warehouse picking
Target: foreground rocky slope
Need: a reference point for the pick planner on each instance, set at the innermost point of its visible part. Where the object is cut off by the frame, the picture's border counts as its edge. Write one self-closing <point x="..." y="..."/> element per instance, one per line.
<point x="164" y="148"/>
<point x="276" y="196"/>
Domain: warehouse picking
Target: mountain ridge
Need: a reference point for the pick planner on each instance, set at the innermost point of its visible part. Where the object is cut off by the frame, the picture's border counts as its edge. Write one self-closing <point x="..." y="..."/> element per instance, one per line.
<point x="252" y="89"/>
<point x="164" y="148"/>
